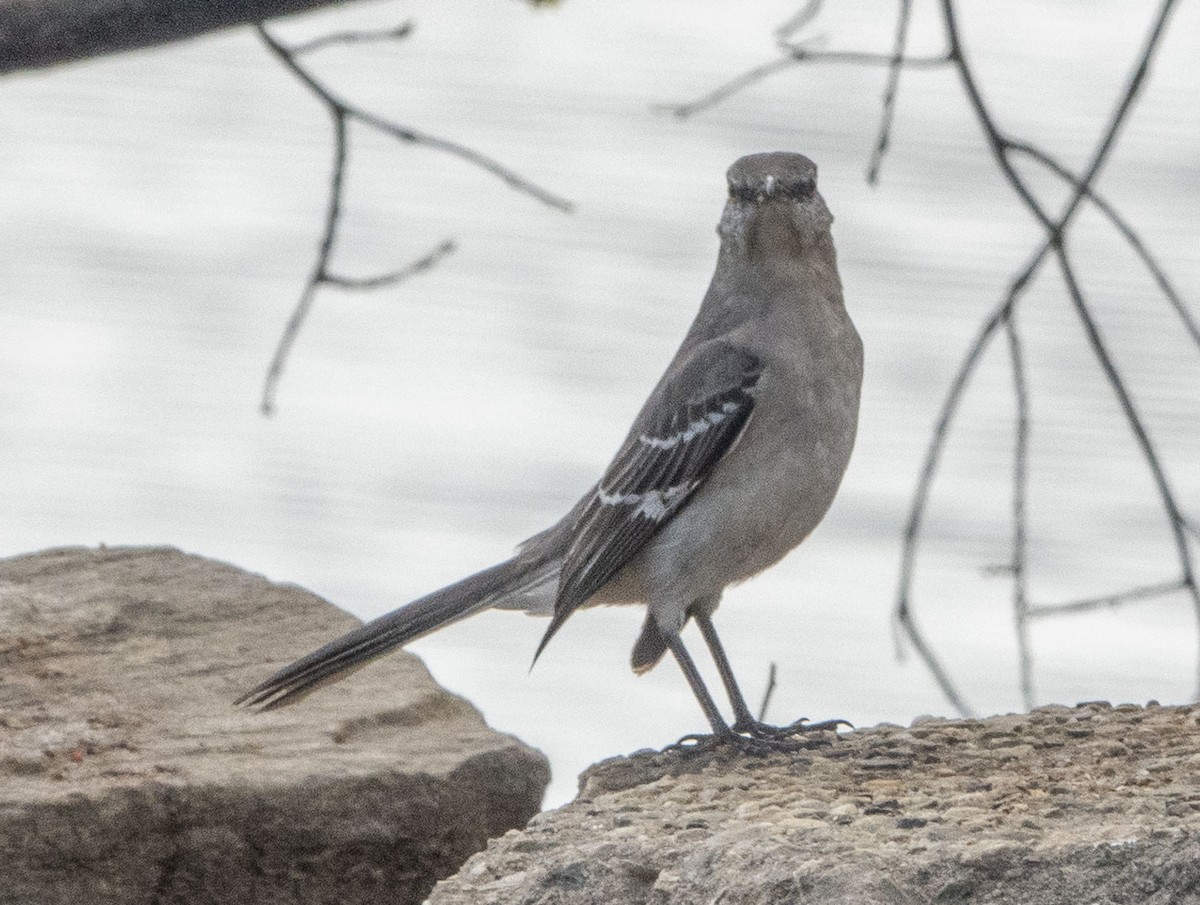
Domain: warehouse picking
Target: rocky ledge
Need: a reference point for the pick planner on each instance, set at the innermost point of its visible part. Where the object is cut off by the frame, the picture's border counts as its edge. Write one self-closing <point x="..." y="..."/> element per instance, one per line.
<point x="126" y="776"/>
<point x="1091" y="804"/>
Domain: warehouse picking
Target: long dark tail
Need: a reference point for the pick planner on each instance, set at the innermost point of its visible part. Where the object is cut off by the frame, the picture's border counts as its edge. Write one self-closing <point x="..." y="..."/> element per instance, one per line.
<point x="338" y="658"/>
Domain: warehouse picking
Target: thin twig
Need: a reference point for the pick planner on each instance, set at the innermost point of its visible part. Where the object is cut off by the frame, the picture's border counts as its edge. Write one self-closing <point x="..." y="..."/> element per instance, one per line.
<point x="342" y="113"/>
<point x="796" y="56"/>
<point x="299" y="314"/>
<point x="1108" y="601"/>
<point x="730" y="88"/>
<point x="902" y="612"/>
<point x="396" y="276"/>
<point x="908" y="626"/>
<point x="1126" y="230"/>
<point x="767" y="693"/>
<point x="799" y="20"/>
<point x="889" y="93"/>
<point x="996" y="140"/>
<point x="415" y="136"/>
<point x="1020" y="492"/>
<point x="1175" y="517"/>
<point x="1120" y="114"/>
<point x="395" y="33"/>
<point x="489" y="164"/>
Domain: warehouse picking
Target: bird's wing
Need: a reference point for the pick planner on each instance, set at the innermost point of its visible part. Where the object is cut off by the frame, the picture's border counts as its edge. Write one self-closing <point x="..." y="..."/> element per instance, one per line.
<point x="695" y="416"/>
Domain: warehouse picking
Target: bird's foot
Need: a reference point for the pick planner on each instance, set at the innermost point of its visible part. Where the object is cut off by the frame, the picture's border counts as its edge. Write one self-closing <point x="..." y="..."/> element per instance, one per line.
<point x="758" y="738"/>
<point x="691" y="745"/>
<point x="764" y="731"/>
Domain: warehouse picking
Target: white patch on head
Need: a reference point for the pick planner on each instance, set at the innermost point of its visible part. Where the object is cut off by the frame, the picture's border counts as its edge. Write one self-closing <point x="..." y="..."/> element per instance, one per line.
<point x="655" y="505"/>
<point x="769" y="185"/>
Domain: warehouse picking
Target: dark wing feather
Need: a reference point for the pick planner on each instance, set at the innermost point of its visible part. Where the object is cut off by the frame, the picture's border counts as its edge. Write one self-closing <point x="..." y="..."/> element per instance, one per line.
<point x="690" y="423"/>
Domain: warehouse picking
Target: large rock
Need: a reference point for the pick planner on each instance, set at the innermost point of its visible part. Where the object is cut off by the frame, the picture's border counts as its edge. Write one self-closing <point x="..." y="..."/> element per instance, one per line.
<point x="1087" y="805"/>
<point x="126" y="776"/>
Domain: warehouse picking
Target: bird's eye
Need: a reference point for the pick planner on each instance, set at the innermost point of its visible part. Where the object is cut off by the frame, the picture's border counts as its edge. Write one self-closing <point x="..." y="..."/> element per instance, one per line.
<point x="772" y="190"/>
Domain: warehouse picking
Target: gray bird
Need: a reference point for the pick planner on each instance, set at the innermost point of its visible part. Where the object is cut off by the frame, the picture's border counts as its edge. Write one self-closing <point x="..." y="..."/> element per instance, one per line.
<point x="733" y="460"/>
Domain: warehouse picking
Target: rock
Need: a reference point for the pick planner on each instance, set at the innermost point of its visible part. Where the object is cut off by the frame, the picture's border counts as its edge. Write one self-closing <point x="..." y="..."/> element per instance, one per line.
<point x="1092" y="804"/>
<point x="126" y="776"/>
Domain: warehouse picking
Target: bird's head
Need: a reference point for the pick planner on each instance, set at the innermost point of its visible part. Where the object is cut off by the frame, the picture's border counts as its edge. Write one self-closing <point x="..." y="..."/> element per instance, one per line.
<point x="774" y="207"/>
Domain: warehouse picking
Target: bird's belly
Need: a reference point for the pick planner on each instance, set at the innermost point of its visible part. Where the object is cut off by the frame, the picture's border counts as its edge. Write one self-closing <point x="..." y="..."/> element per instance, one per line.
<point x="773" y="517"/>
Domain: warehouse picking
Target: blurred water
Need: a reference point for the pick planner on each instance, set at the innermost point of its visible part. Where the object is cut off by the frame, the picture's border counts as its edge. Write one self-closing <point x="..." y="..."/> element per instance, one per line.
<point x="159" y="211"/>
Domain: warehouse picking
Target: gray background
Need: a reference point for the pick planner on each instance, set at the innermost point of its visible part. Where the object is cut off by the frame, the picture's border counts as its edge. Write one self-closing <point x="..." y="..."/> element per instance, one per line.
<point x="159" y="212"/>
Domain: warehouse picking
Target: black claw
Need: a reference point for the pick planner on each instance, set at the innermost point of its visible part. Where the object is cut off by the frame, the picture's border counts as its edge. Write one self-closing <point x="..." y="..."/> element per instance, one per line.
<point x="695" y="744"/>
<point x="823" y="725"/>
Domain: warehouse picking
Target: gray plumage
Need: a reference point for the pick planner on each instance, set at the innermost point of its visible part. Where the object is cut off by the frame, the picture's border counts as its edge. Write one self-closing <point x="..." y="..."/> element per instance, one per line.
<point x="733" y="460"/>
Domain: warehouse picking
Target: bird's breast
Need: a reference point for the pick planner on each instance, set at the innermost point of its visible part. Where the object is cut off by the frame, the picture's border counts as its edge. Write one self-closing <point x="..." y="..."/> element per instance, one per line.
<point x="774" y="487"/>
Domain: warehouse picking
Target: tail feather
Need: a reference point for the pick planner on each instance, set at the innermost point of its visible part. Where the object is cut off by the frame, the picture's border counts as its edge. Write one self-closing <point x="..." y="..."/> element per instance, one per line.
<point x="343" y="655"/>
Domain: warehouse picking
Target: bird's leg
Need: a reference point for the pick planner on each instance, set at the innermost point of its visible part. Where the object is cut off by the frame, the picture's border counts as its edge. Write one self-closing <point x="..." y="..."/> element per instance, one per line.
<point x="744" y="720"/>
<point x="722" y="733"/>
<point x="675" y="644"/>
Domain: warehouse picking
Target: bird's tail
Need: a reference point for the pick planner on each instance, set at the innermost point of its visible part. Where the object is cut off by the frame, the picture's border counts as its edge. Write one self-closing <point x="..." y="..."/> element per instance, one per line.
<point x="343" y="655"/>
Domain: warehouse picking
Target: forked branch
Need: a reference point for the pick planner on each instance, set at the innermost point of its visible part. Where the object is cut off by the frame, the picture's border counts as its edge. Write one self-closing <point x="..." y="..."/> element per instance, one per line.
<point x="343" y="114"/>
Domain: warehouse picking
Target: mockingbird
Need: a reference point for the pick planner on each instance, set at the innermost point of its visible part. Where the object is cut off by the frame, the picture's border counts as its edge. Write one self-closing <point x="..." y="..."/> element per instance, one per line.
<point x="732" y="462"/>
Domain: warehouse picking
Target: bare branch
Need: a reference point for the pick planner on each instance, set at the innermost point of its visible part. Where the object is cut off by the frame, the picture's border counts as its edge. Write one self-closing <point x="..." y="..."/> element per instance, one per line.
<point x="1020" y="491"/>
<point x="799" y="20"/>
<point x="35" y="33"/>
<point x="342" y="113"/>
<point x="730" y="88"/>
<point x="768" y="692"/>
<point x="395" y="33"/>
<point x="396" y="276"/>
<point x="796" y="56"/>
<point x="1124" y="105"/>
<point x="1175" y="519"/>
<point x="907" y="624"/>
<point x="1001" y="147"/>
<point x="1108" y="601"/>
<point x="1191" y="528"/>
<point x="889" y="93"/>
<point x="1122" y="226"/>
<point x="299" y="314"/>
<point x="996" y="141"/>
<point x="513" y="180"/>
<point x="408" y="133"/>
